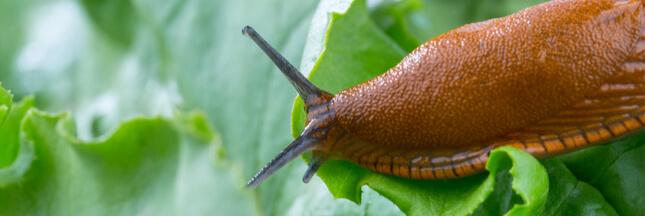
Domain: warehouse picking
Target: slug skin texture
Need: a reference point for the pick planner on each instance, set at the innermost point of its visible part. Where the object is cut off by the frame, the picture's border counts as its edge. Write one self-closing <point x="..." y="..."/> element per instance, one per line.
<point x="550" y="79"/>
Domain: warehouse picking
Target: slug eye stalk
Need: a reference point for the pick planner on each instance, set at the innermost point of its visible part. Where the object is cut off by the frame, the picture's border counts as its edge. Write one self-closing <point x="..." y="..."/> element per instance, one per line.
<point x="300" y="83"/>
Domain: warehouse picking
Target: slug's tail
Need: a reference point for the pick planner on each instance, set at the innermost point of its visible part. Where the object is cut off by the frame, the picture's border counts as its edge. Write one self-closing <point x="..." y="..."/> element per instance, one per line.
<point x="311" y="138"/>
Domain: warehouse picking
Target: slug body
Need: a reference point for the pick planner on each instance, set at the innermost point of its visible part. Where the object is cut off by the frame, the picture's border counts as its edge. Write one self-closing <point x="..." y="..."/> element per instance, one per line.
<point x="550" y="79"/>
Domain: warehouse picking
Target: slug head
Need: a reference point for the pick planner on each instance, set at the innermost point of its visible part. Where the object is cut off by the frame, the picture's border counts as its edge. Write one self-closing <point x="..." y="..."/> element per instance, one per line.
<point x="321" y="118"/>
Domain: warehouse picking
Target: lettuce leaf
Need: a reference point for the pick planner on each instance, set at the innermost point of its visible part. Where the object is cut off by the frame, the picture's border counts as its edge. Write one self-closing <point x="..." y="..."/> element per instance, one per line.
<point x="146" y="166"/>
<point x="112" y="60"/>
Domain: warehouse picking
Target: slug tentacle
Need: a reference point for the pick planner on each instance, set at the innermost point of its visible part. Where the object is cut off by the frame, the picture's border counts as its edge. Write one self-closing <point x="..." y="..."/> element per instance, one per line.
<point x="321" y="118"/>
<point x="295" y="149"/>
<point x="305" y="88"/>
<point x="318" y="158"/>
<point x="321" y="130"/>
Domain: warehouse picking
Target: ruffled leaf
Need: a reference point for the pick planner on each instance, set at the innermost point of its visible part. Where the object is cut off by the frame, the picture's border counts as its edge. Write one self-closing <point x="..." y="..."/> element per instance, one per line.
<point x="146" y="166"/>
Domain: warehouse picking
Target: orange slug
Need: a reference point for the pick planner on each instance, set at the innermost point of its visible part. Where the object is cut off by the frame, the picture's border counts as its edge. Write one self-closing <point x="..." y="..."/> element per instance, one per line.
<point x="551" y="79"/>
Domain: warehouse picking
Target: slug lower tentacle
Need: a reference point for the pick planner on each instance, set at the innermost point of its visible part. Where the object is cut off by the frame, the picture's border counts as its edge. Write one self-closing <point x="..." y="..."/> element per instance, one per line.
<point x="317" y="159"/>
<point x="295" y="149"/>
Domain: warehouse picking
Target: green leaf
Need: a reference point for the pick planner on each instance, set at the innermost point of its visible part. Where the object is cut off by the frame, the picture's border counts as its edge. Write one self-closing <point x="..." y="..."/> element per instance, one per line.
<point x="391" y="17"/>
<point x="182" y="55"/>
<point x="11" y="36"/>
<point x="110" y="60"/>
<point x="571" y="196"/>
<point x="567" y="195"/>
<point x="530" y="180"/>
<point x="5" y="103"/>
<point x="16" y="153"/>
<point x="149" y="166"/>
<point x="617" y="171"/>
<point x="462" y="196"/>
<point x="121" y="28"/>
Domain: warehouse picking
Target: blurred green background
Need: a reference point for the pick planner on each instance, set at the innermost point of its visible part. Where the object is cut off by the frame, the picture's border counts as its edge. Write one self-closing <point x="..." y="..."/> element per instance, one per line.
<point x="110" y="61"/>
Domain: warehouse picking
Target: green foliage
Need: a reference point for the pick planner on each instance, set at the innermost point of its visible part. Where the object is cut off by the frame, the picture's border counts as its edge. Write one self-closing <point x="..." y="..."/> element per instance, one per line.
<point x="183" y="55"/>
<point x="149" y="166"/>
<point x="121" y="28"/>
<point x="16" y="153"/>
<point x="112" y="60"/>
<point x="5" y="103"/>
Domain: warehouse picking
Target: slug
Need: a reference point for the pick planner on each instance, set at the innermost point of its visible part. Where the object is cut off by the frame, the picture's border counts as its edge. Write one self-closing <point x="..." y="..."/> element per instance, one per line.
<point x="551" y="79"/>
